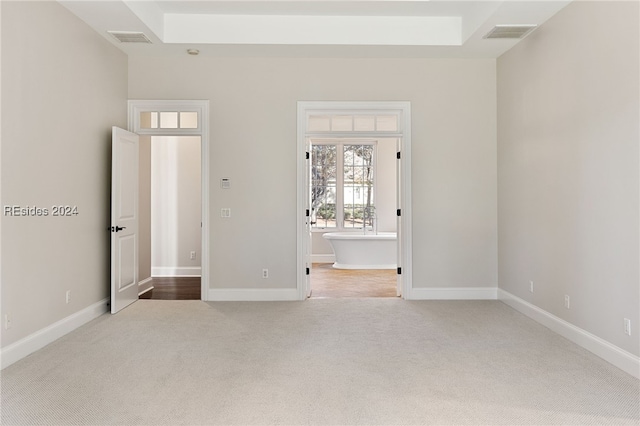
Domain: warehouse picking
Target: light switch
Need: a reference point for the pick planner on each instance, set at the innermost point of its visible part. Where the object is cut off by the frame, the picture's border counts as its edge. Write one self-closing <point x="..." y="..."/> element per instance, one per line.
<point x="225" y="212"/>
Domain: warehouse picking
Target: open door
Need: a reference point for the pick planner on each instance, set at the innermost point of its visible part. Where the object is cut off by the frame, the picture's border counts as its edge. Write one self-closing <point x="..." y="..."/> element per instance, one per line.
<point x="399" y="217"/>
<point x="309" y="216"/>
<point x="124" y="219"/>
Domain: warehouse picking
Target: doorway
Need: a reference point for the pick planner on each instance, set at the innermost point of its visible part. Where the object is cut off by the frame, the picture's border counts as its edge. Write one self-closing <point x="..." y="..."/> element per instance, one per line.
<point x="175" y="135"/>
<point x="353" y="194"/>
<point x="353" y="120"/>
<point x="175" y="209"/>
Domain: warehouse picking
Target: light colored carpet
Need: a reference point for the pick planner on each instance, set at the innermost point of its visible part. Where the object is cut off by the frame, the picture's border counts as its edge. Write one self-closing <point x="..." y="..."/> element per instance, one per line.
<point x="319" y="362"/>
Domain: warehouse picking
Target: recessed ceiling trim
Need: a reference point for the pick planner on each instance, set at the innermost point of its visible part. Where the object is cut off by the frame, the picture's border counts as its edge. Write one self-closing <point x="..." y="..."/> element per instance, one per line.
<point x="313" y="30"/>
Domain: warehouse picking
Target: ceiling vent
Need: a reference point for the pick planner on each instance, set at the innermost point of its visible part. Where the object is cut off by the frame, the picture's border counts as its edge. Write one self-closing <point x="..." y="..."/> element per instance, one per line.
<point x="130" y="37"/>
<point x="510" y="31"/>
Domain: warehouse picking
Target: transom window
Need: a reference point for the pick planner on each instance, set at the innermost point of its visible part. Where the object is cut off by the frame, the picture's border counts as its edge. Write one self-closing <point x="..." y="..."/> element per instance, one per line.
<point x="353" y="123"/>
<point x="168" y="120"/>
<point x="342" y="184"/>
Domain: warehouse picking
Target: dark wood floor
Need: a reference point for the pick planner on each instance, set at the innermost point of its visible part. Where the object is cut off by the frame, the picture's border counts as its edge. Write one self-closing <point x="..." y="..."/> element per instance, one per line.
<point x="174" y="288"/>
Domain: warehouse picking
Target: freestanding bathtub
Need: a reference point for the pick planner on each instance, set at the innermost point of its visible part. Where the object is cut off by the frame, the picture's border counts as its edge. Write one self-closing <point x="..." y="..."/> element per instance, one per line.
<point x="355" y="250"/>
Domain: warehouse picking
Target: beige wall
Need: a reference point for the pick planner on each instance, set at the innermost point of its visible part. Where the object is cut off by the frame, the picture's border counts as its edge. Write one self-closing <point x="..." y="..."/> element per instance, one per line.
<point x="144" y="210"/>
<point x="63" y="87"/>
<point x="253" y="141"/>
<point x="568" y="168"/>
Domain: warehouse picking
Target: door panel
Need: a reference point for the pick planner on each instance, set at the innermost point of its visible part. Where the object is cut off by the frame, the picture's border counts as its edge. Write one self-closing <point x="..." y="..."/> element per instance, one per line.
<point x="124" y="219"/>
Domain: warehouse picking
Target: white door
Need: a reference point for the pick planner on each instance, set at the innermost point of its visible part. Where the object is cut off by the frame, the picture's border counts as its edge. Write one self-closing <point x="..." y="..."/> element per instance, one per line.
<point x="399" y="217"/>
<point x="309" y="216"/>
<point x="124" y="219"/>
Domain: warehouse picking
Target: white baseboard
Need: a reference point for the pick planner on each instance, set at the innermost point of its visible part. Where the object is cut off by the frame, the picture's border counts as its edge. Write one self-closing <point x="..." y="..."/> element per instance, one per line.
<point x="252" y="294"/>
<point x="613" y="354"/>
<point x="145" y="285"/>
<point x="41" y="338"/>
<point x="323" y="258"/>
<point x="176" y="271"/>
<point x="453" y="293"/>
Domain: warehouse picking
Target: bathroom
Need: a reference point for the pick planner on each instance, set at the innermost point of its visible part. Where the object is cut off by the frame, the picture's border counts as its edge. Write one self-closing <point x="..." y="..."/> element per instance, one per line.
<point x="354" y="214"/>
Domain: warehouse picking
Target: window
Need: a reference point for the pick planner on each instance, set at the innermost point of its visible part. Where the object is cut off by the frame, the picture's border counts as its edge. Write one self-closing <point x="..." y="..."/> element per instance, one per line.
<point x="168" y="120"/>
<point x="342" y="185"/>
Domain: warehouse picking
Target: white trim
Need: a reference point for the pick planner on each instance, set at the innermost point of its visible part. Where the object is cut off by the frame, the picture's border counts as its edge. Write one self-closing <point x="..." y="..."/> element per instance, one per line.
<point x="253" y="294"/>
<point x="613" y="354"/>
<point x="323" y="258"/>
<point x="402" y="108"/>
<point x="41" y="338"/>
<point x="145" y="285"/>
<point x="454" y="293"/>
<point x="202" y="106"/>
<point x="176" y="271"/>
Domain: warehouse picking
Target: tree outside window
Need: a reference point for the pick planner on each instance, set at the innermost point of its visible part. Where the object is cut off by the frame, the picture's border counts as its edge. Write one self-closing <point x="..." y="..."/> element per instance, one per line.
<point x="342" y="200"/>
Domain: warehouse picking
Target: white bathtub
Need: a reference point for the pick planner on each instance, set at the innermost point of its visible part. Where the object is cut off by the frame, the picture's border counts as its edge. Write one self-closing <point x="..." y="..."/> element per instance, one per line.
<point x="355" y="250"/>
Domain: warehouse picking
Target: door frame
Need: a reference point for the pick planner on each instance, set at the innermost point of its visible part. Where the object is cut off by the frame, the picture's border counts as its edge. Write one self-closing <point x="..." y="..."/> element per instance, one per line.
<point x="135" y="107"/>
<point x="307" y="108"/>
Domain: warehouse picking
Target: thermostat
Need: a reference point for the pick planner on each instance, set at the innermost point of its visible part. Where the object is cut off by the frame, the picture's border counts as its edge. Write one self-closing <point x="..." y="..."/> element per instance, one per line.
<point x="225" y="183"/>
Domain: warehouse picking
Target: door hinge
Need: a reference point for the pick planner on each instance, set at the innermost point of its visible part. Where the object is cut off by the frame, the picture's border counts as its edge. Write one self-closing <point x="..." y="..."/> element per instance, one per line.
<point x="399" y="270"/>
<point x="307" y="156"/>
<point x="307" y="271"/>
<point x="399" y="212"/>
<point x="307" y="213"/>
<point x="398" y="155"/>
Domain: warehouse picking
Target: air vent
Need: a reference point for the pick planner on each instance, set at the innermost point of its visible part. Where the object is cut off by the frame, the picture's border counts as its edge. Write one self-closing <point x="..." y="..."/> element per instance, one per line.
<point x="130" y="37"/>
<point x="510" y="31"/>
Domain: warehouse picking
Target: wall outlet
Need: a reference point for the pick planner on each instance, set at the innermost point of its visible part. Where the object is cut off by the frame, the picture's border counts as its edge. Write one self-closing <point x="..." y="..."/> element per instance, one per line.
<point x="226" y="212"/>
<point x="192" y="255"/>
<point x="7" y="321"/>
<point x="265" y="273"/>
<point x="627" y="326"/>
<point x="531" y="286"/>
<point x="68" y="296"/>
<point x="567" y="301"/>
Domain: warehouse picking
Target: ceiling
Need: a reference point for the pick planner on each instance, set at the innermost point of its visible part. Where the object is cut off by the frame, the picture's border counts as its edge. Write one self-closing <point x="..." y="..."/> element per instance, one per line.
<point x="307" y="28"/>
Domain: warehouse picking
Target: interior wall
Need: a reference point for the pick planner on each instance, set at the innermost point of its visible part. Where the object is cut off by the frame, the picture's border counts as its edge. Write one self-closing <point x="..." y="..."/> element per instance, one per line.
<point x="175" y="205"/>
<point x="253" y="141"/>
<point x="63" y="87"/>
<point x="144" y="209"/>
<point x="568" y="170"/>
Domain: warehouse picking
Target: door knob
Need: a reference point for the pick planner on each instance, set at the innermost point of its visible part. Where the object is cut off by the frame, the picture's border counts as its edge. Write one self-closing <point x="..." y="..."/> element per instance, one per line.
<point x="117" y="228"/>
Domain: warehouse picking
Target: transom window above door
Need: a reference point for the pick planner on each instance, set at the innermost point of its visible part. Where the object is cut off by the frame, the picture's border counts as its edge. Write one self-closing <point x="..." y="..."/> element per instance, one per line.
<point x="168" y="120"/>
<point x="320" y="123"/>
<point x="169" y="117"/>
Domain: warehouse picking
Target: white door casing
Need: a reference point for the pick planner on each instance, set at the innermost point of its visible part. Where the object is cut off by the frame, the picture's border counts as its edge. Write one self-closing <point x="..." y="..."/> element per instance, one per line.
<point x="124" y="219"/>
<point x="201" y="107"/>
<point x="403" y="111"/>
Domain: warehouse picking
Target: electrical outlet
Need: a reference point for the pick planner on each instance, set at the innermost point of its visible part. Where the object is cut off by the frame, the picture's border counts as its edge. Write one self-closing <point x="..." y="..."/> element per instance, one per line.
<point x="567" y="301"/>
<point x="531" y="286"/>
<point x="265" y="273"/>
<point x="192" y="255"/>
<point x="627" y="326"/>
<point x="68" y="296"/>
<point x="226" y="212"/>
<point x="7" y="322"/>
